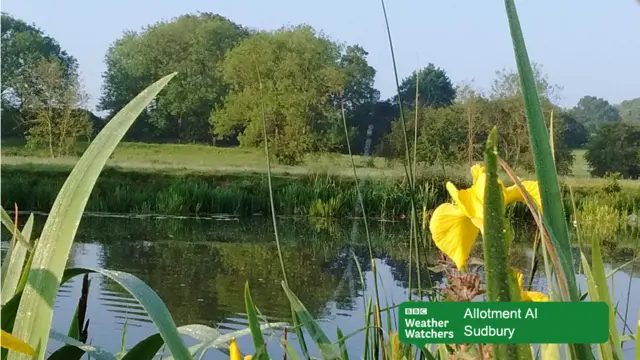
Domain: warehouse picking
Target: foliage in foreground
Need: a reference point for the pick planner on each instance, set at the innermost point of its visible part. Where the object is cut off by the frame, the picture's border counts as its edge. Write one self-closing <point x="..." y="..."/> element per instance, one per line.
<point x="31" y="290"/>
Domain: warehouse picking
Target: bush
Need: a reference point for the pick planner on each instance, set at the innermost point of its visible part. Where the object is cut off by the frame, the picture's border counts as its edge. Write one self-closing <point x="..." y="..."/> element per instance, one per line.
<point x="615" y="148"/>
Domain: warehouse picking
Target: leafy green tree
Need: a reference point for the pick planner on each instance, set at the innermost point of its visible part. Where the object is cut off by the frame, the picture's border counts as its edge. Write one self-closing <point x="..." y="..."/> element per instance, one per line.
<point x="23" y="47"/>
<point x="193" y="45"/>
<point x="299" y="72"/>
<point x="630" y="110"/>
<point x="56" y="120"/>
<point x="507" y="84"/>
<point x="615" y="147"/>
<point x="435" y="89"/>
<point x="473" y="102"/>
<point x="575" y="134"/>
<point x="593" y="111"/>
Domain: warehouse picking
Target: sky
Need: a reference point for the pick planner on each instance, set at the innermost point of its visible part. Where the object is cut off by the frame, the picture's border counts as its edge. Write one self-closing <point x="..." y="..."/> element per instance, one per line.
<point x="588" y="47"/>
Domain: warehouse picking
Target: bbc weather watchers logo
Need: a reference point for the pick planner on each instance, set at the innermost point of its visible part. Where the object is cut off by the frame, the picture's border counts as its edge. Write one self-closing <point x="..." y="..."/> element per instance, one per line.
<point x="415" y="311"/>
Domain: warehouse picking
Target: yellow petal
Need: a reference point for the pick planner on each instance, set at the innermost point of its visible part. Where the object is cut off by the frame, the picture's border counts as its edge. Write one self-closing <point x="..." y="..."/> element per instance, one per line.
<point x="11" y="342"/>
<point x="248" y="357"/>
<point x="513" y="193"/>
<point x="453" y="232"/>
<point x="534" y="296"/>
<point x="472" y="203"/>
<point x="520" y="278"/>
<point x="476" y="171"/>
<point x="234" y="352"/>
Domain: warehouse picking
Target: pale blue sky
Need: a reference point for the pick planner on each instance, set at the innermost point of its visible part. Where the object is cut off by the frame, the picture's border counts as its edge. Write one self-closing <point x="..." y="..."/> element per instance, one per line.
<point x="589" y="47"/>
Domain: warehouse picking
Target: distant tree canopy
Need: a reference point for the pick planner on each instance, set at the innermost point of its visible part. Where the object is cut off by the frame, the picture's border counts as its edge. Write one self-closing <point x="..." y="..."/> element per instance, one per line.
<point x="630" y="111"/>
<point x="593" y="112"/>
<point x="615" y="148"/>
<point x="23" y="48"/>
<point x="301" y="80"/>
<point x="193" y="45"/>
<point x="434" y="88"/>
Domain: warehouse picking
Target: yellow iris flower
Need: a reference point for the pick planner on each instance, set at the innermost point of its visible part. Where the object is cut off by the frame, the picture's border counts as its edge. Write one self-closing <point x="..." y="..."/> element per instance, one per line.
<point x="234" y="352"/>
<point x="529" y="295"/>
<point x="455" y="226"/>
<point x="13" y="343"/>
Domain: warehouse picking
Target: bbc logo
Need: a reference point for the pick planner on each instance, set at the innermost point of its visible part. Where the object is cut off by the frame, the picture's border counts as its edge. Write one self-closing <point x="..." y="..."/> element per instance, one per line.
<point x="415" y="311"/>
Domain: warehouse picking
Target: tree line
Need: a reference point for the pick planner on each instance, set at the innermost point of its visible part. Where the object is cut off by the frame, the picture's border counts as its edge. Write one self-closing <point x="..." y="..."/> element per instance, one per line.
<point x="298" y="78"/>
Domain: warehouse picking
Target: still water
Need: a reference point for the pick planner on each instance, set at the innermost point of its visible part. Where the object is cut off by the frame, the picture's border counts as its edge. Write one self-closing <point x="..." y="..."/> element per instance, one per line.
<point x="199" y="267"/>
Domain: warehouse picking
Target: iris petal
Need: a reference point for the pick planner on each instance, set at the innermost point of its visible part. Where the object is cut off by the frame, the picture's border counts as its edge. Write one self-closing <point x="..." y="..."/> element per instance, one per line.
<point x="513" y="193"/>
<point x="453" y="232"/>
<point x="534" y="296"/>
<point x="234" y="352"/>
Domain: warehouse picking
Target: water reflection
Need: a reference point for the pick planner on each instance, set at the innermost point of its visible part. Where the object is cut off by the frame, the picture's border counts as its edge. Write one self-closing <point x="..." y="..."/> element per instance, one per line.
<point x="199" y="268"/>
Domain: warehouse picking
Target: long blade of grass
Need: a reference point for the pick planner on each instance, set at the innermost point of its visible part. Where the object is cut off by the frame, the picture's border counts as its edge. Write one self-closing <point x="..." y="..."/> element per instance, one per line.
<point x="344" y="354"/>
<point x="605" y="351"/>
<point x="14" y="265"/>
<point x="600" y="280"/>
<point x="299" y="334"/>
<point x="254" y="324"/>
<point x="543" y="159"/>
<point x="309" y="323"/>
<point x="36" y="308"/>
<point x="9" y="224"/>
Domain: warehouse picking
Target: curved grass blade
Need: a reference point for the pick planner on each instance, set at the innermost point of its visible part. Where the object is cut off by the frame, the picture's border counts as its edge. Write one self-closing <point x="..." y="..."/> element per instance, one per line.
<point x="307" y="320"/>
<point x="94" y="351"/>
<point x="35" y="312"/>
<point x="12" y="269"/>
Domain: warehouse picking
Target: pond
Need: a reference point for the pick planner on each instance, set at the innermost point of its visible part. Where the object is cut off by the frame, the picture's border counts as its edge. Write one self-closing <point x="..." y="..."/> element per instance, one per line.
<point x="199" y="268"/>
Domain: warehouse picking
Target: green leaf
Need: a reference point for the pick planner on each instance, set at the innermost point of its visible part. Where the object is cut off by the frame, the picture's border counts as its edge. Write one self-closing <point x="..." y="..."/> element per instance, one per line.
<point x="8" y="223"/>
<point x="12" y="268"/>
<point x="309" y="323"/>
<point x="95" y="352"/>
<point x="77" y="322"/>
<point x="605" y="351"/>
<point x="254" y="324"/>
<point x="499" y="280"/>
<point x="546" y="173"/>
<point x="36" y="307"/>
<point x="600" y="279"/>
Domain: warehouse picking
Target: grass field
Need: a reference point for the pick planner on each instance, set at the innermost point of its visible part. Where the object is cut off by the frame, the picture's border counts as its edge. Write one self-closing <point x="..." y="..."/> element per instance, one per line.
<point x="217" y="160"/>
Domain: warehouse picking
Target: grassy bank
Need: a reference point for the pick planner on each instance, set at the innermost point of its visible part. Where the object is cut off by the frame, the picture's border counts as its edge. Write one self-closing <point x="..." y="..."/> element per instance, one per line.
<point x="181" y="158"/>
<point x="185" y="192"/>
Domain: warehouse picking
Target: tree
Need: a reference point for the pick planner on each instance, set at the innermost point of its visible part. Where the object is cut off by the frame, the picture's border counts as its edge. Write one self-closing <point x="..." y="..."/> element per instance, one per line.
<point x="575" y="134"/>
<point x="23" y="47"/>
<point x="615" y="147"/>
<point x="56" y="118"/>
<point x="435" y="89"/>
<point x="507" y="84"/>
<point x="193" y="45"/>
<point x="293" y="72"/>
<point x="473" y="102"/>
<point x="593" y="111"/>
<point x="630" y="111"/>
<point x="360" y="98"/>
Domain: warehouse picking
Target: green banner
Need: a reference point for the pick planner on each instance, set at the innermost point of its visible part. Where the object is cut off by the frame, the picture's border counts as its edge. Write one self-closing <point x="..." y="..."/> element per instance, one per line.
<point x="423" y="323"/>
